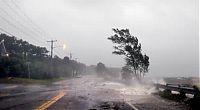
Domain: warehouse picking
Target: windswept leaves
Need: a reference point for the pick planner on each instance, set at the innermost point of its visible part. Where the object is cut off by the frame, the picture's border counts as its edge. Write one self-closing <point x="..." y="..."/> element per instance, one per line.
<point x="128" y="45"/>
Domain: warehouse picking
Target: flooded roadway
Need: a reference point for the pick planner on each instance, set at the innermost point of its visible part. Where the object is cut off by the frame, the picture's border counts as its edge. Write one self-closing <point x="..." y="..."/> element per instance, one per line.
<point x="90" y="92"/>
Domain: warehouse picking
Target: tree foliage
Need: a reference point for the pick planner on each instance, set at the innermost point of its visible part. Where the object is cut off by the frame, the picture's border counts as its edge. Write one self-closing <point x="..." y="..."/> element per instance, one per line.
<point x="126" y="72"/>
<point x="100" y="69"/>
<point x="128" y="45"/>
<point x="41" y="65"/>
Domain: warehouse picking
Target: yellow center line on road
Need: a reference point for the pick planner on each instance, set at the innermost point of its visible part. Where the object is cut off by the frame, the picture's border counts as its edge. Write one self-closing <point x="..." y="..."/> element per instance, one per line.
<point x="51" y="101"/>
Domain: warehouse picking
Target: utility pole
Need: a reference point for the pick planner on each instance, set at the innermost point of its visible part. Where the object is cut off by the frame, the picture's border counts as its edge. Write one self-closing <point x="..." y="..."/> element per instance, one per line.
<point x="70" y="56"/>
<point x="29" y="73"/>
<point x="52" y="47"/>
<point x="52" y="41"/>
<point x="28" y="64"/>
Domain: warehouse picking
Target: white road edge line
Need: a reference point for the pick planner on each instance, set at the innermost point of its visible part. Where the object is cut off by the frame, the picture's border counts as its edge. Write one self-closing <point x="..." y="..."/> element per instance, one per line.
<point x="131" y="105"/>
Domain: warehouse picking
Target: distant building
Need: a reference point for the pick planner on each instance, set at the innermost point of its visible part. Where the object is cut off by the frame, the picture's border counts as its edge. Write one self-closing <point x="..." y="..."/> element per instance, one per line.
<point x="3" y="51"/>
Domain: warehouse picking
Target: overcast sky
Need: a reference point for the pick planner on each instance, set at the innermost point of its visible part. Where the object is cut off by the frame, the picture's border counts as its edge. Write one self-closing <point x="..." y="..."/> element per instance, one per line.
<point x="167" y="29"/>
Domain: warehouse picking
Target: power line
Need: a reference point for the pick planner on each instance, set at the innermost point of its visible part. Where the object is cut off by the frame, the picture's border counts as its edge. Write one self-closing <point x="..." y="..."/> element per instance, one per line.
<point x="18" y="14"/>
<point x="31" y="21"/>
<point x="58" y="53"/>
<point x="17" y="29"/>
<point x="13" y="25"/>
<point x="16" y="36"/>
<point x="41" y="31"/>
<point x="13" y="18"/>
<point x="19" y="23"/>
<point x="6" y="32"/>
<point x="33" y="26"/>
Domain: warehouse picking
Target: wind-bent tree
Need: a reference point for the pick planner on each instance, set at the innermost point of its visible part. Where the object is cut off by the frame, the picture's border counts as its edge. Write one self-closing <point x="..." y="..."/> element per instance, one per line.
<point x="126" y="72"/>
<point x="128" y="45"/>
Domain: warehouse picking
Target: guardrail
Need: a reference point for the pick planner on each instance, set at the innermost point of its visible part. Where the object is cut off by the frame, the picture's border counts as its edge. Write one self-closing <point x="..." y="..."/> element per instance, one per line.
<point x="182" y="89"/>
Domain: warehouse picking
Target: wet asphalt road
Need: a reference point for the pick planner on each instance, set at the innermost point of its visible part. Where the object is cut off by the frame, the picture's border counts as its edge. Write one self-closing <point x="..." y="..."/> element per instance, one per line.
<point x="87" y="92"/>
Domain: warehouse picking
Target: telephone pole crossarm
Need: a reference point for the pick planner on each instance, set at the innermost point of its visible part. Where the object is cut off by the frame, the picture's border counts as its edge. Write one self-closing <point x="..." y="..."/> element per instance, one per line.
<point x="52" y="41"/>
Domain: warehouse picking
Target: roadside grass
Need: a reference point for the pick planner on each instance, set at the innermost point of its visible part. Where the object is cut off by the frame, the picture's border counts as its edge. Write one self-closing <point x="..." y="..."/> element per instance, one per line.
<point x="26" y="81"/>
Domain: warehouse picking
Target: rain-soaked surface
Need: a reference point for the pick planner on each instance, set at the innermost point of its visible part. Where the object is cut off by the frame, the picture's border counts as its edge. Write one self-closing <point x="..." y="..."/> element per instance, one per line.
<point x="92" y="92"/>
<point x="88" y="92"/>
